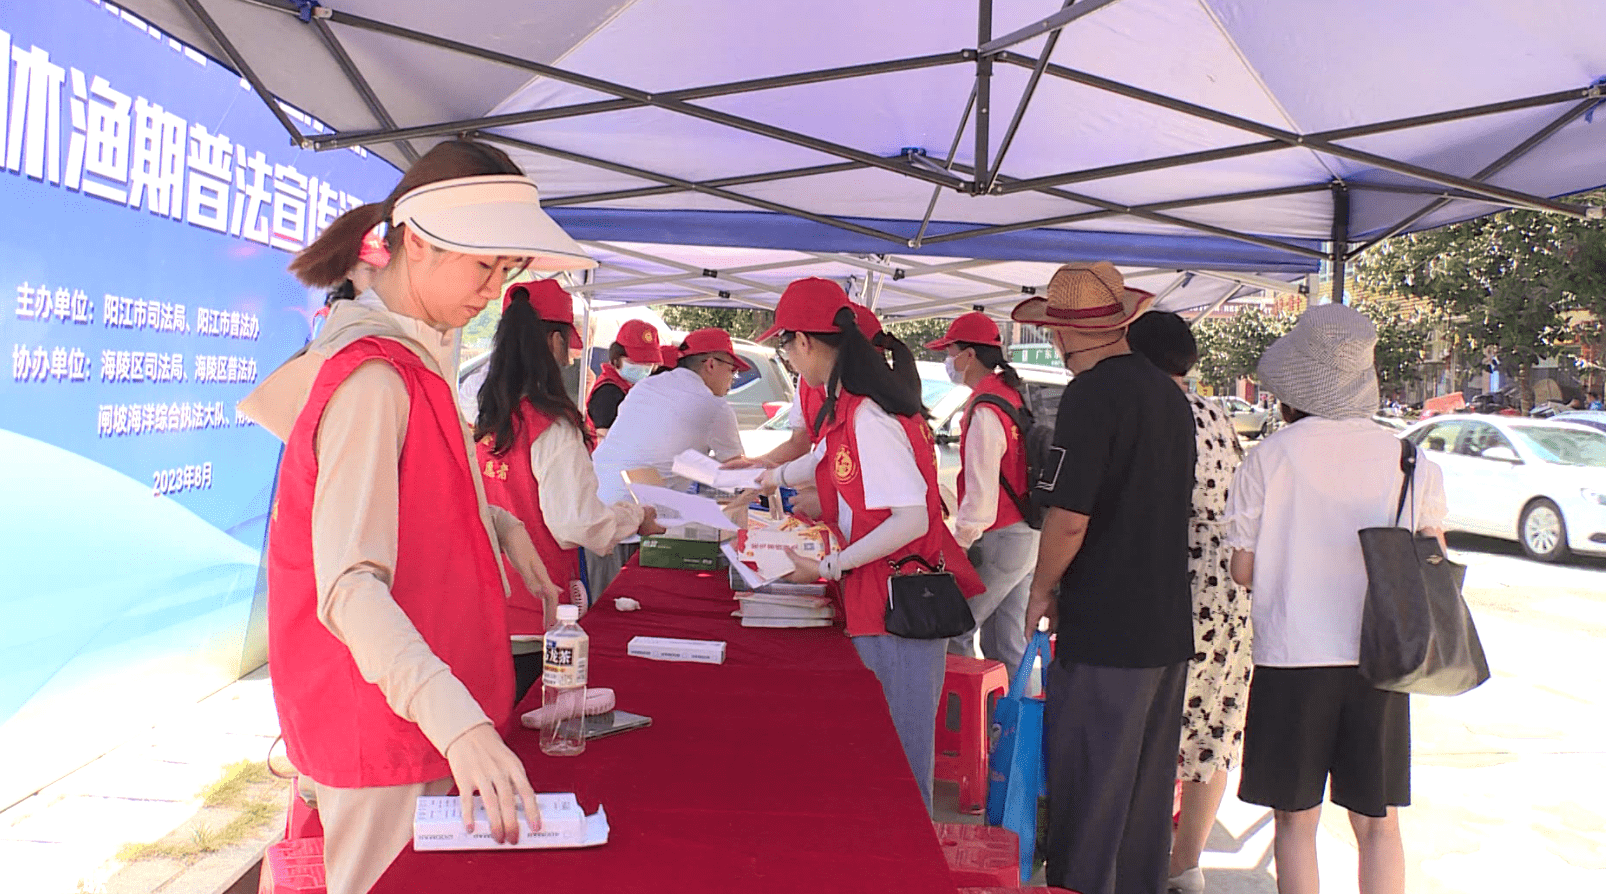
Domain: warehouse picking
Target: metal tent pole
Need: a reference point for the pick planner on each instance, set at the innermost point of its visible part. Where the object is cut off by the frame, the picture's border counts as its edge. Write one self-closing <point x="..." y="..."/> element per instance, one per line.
<point x="1340" y="253"/>
<point x="355" y="76"/>
<point x="984" y="84"/>
<point x="238" y="61"/>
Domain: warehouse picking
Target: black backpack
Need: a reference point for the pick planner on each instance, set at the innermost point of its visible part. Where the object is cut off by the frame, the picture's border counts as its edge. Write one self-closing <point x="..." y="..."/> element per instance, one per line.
<point x="1037" y="440"/>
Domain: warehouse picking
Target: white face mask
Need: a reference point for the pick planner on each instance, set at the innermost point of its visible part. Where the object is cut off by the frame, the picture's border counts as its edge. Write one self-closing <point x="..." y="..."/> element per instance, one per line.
<point x="635" y="372"/>
<point x="954" y="375"/>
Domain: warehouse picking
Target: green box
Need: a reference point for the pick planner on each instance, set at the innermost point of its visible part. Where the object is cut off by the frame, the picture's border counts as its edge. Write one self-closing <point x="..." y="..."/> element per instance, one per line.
<point x="686" y="555"/>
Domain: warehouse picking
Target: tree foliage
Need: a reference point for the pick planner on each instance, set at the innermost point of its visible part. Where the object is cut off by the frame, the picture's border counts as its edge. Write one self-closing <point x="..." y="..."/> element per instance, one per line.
<point x="740" y="322"/>
<point x="1402" y="340"/>
<point x="1505" y="282"/>
<point x="1230" y="348"/>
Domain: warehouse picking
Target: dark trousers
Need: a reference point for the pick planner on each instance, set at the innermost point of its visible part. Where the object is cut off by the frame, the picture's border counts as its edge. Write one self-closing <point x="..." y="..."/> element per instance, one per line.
<point x="1111" y="739"/>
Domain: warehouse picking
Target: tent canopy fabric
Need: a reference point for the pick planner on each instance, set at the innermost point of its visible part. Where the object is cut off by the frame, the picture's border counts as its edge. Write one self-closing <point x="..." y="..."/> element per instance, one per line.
<point x="1258" y="136"/>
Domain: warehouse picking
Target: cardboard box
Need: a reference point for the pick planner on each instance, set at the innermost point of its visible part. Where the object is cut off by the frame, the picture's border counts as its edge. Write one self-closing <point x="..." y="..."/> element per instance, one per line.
<point x="660" y="648"/>
<point x="672" y="552"/>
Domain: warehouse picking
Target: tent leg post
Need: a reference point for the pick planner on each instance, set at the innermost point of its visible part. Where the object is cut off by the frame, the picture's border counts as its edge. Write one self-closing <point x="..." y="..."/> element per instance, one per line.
<point x="1340" y="250"/>
<point x="984" y="95"/>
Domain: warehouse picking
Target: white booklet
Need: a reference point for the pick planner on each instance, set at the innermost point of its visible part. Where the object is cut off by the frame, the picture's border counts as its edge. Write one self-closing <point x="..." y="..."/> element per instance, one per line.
<point x="750" y="576"/>
<point x="704" y="469"/>
<point x="676" y="509"/>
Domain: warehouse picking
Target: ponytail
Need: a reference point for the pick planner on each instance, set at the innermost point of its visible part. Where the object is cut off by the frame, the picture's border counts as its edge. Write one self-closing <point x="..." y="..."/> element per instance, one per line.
<point x="992" y="357"/>
<point x="522" y="368"/>
<point x="331" y="256"/>
<point x="329" y="259"/>
<point x="860" y="369"/>
<point x="903" y="359"/>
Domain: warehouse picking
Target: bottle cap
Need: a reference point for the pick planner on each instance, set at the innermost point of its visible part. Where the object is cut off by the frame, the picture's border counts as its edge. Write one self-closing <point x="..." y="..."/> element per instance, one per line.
<point x="568" y="614"/>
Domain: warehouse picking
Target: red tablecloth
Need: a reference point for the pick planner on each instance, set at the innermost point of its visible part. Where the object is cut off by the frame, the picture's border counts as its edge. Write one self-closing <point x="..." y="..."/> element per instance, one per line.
<point x="778" y="771"/>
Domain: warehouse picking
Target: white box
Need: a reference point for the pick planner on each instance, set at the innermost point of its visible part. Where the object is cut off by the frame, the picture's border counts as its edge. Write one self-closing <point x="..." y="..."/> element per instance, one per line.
<point x="438" y="824"/>
<point x="659" y="648"/>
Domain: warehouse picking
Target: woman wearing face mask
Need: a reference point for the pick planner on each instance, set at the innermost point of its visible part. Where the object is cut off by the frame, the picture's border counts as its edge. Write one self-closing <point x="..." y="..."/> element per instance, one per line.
<point x="990" y="514"/>
<point x="876" y="470"/>
<point x="534" y="457"/>
<point x="386" y="635"/>
<point x="633" y="356"/>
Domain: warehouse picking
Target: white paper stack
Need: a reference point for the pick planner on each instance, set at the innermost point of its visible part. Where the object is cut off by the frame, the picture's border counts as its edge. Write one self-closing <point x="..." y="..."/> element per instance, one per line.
<point x="780" y="610"/>
<point x="438" y="825"/>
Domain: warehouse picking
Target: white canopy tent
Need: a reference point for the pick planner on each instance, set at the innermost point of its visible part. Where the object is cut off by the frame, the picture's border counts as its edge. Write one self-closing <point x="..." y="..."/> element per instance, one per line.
<point x="969" y="144"/>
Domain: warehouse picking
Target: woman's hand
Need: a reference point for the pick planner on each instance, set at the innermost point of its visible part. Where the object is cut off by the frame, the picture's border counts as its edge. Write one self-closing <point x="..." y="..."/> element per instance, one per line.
<point x="649" y="522"/>
<point x="520" y="550"/>
<point x="804" y="569"/>
<point x="747" y="462"/>
<point x="481" y="762"/>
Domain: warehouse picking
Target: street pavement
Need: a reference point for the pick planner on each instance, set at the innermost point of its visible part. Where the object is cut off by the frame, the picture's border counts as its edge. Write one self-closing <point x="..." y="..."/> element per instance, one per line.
<point x="1507" y="780"/>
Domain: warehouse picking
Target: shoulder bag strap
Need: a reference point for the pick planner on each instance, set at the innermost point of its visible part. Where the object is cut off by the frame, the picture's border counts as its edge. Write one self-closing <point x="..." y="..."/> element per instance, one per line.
<point x="1407" y="466"/>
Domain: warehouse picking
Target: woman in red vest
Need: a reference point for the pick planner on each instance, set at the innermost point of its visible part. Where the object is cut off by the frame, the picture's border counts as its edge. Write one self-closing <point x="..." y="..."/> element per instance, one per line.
<point x="534" y="457"/>
<point x="386" y="636"/>
<point x="876" y="470"/>
<point x="992" y="489"/>
<point x="633" y="356"/>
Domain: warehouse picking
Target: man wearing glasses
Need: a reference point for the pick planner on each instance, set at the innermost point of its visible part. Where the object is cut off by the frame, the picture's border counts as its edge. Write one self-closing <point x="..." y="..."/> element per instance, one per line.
<point x="683" y="409"/>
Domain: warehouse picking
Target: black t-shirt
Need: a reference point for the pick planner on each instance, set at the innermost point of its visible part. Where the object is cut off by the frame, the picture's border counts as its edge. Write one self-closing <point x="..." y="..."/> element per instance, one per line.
<point x="603" y="407"/>
<point x="1124" y="456"/>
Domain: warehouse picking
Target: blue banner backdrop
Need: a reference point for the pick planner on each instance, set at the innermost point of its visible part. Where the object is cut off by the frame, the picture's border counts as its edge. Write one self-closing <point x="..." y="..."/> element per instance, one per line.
<point x="149" y="203"/>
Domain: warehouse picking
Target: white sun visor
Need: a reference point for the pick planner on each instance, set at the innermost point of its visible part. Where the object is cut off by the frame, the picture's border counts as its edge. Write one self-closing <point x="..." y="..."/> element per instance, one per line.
<point x="493" y="215"/>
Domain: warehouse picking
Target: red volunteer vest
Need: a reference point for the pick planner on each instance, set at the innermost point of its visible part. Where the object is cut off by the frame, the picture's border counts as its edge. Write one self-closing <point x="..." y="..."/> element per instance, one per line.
<point x="810" y="399"/>
<point x="608" y="376"/>
<point x="513" y="485"/>
<point x="337" y="726"/>
<point x="1013" y="464"/>
<point x="841" y="474"/>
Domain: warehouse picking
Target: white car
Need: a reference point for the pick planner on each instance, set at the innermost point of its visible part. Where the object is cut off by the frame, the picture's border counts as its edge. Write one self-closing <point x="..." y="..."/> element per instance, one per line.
<point x="1540" y="483"/>
<point x="1249" y="420"/>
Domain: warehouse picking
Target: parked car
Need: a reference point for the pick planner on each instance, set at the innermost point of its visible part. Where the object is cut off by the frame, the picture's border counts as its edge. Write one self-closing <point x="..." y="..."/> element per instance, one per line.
<point x="1250" y="421"/>
<point x="1541" y="483"/>
<point x="1595" y="419"/>
<point x="755" y="395"/>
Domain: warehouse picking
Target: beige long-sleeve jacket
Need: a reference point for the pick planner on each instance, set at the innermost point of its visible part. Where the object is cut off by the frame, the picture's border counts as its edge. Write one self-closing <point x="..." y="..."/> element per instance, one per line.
<point x="354" y="514"/>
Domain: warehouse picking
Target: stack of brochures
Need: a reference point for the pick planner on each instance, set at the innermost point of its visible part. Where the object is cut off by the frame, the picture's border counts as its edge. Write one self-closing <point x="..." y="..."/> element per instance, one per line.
<point x="784" y="610"/>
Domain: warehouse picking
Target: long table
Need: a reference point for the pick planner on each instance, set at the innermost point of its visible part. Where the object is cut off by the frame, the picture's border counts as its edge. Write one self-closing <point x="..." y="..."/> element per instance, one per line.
<point x="778" y="771"/>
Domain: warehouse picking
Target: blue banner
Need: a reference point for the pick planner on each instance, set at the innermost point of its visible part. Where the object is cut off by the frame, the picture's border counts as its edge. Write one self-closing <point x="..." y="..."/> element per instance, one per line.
<point x="150" y="205"/>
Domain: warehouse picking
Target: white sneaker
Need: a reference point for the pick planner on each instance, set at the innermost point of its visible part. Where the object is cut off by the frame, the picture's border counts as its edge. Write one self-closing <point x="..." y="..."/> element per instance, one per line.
<point x="1188" y="881"/>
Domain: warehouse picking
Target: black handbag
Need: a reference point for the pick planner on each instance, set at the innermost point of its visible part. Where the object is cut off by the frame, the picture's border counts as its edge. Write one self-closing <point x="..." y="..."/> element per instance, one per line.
<point x="1417" y="635"/>
<point x="926" y="604"/>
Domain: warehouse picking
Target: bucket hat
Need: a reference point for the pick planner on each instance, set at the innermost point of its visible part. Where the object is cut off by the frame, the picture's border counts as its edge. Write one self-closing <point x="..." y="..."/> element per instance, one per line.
<point x="1324" y="364"/>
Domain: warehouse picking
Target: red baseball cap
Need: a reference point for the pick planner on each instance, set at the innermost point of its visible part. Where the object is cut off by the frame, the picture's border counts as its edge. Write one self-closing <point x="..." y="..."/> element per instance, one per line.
<point x="711" y="341"/>
<point x="669" y="355"/>
<point x="640" y="341"/>
<point x="807" y="305"/>
<point x="549" y="301"/>
<point x="869" y="324"/>
<point x="975" y="328"/>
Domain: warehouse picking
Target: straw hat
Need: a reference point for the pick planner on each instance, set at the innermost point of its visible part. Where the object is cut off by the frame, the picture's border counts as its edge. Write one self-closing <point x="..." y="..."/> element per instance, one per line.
<point x="1086" y="297"/>
<point x="1324" y="364"/>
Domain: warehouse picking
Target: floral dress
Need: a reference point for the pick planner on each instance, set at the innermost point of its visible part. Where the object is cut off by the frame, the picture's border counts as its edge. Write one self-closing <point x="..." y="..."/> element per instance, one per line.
<point x="1218" y="677"/>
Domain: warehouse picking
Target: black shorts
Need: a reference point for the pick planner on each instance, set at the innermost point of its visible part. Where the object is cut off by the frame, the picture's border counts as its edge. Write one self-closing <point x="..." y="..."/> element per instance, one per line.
<point x="1308" y="723"/>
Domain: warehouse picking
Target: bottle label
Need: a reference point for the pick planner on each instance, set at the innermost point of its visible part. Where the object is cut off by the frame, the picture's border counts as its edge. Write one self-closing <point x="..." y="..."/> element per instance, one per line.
<point x="565" y="662"/>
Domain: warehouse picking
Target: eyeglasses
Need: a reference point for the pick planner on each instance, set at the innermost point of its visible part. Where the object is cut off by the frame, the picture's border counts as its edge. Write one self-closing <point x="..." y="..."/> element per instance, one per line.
<point x="724" y="361"/>
<point x="786" y="341"/>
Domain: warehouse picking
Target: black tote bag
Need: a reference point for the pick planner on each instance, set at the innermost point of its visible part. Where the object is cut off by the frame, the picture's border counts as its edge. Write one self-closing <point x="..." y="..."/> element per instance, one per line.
<point x="1417" y="635"/>
<point x="926" y="605"/>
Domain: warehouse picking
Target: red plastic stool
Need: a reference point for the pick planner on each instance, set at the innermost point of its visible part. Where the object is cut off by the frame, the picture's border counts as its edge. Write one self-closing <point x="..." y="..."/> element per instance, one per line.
<point x="293" y="867"/>
<point x="302" y="821"/>
<point x="971" y="687"/>
<point x="980" y="855"/>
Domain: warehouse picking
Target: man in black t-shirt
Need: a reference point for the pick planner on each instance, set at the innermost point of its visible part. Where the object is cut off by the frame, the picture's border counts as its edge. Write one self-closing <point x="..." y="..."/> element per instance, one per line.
<point x="1115" y="543"/>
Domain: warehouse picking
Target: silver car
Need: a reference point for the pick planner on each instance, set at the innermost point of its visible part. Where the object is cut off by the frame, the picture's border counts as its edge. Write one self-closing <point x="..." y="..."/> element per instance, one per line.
<point x="1249" y="420"/>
